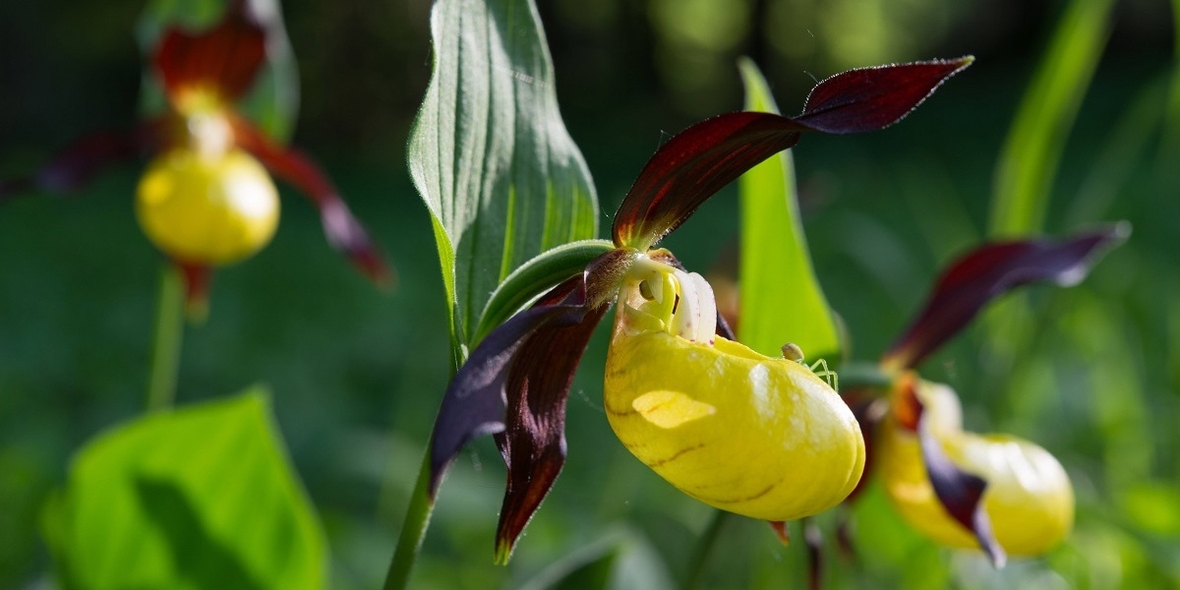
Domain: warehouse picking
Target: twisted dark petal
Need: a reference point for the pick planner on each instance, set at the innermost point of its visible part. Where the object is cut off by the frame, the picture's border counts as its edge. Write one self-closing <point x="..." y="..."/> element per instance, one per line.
<point x="225" y="58"/>
<point x="344" y="232"/>
<point x="475" y="401"/>
<point x="78" y="163"/>
<point x="697" y="162"/>
<point x="982" y="275"/>
<point x="959" y="492"/>
<point x="869" y="99"/>
<point x="533" y="444"/>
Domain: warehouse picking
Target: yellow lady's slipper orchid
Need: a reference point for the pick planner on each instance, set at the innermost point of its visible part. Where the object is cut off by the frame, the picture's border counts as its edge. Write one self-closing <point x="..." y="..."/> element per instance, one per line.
<point x="1028" y="499"/>
<point x="740" y="431"/>
<point x="750" y="434"/>
<point x="207" y="197"/>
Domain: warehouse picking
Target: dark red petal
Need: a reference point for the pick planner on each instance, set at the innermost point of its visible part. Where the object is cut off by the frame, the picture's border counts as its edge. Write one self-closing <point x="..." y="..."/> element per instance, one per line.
<point x="869" y="99"/>
<point x="344" y="232"/>
<point x="693" y="166"/>
<point x="780" y="531"/>
<point x="197" y="278"/>
<point x="225" y="58"/>
<point x="475" y="401"/>
<point x="699" y="161"/>
<point x="990" y="271"/>
<point x="959" y="492"/>
<point x="78" y="163"/>
<point x="533" y="444"/>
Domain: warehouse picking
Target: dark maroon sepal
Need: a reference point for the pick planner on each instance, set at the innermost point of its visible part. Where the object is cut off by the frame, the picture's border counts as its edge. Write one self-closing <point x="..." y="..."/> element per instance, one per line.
<point x="697" y="162"/>
<point x="342" y="229"/>
<point x="225" y="58"/>
<point x="533" y="444"/>
<point x="692" y="166"/>
<point x="80" y="162"/>
<point x="515" y="385"/>
<point x="992" y="270"/>
<point x="197" y="279"/>
<point x="961" y="494"/>
<point x="475" y="401"/>
<point x="869" y="99"/>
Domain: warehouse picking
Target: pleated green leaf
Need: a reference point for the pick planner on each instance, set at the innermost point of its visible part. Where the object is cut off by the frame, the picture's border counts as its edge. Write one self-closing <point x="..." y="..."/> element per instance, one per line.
<point x="202" y="497"/>
<point x="781" y="299"/>
<point x="490" y="155"/>
<point x="273" y="100"/>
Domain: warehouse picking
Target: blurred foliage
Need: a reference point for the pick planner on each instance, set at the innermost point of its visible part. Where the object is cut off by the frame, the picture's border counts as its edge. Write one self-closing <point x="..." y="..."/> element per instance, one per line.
<point x="200" y="497"/>
<point x="357" y="375"/>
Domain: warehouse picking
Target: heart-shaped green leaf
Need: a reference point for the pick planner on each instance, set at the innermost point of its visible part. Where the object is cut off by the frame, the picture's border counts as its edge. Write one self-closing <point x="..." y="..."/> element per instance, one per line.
<point x="780" y="295"/>
<point x="202" y="497"/>
<point x="490" y="155"/>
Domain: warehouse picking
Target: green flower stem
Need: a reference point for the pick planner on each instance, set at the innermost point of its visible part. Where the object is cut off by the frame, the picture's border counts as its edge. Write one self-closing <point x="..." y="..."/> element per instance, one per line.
<point x="863" y="374"/>
<point x="166" y="338"/>
<point x="704" y="548"/>
<point x="413" y="529"/>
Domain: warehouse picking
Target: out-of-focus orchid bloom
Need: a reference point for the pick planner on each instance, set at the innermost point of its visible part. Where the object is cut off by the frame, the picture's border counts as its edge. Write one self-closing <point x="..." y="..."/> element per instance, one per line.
<point x="754" y="435"/>
<point x="994" y="492"/>
<point x="206" y="198"/>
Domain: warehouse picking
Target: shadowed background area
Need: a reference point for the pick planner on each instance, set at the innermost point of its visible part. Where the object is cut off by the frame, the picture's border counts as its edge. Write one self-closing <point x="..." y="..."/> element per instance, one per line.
<point x="357" y="374"/>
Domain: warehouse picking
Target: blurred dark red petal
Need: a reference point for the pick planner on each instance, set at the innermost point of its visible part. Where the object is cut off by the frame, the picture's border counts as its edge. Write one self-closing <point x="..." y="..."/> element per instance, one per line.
<point x="992" y="270"/>
<point x="79" y="162"/>
<point x="959" y="492"/>
<point x="225" y="58"/>
<point x="869" y="99"/>
<point x="780" y="531"/>
<point x="533" y="444"/>
<point x="343" y="231"/>
<point x="697" y="162"/>
<point x="197" y="278"/>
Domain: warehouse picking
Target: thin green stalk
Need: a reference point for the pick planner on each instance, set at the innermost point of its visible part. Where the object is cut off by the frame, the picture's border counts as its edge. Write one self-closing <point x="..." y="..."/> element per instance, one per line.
<point x="417" y="520"/>
<point x="413" y="529"/>
<point x="166" y="338"/>
<point x="704" y="548"/>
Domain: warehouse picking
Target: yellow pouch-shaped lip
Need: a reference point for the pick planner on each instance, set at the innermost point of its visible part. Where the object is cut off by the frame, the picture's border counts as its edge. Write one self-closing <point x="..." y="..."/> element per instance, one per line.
<point x="750" y="434"/>
<point x="1029" y="499"/>
<point x="207" y="209"/>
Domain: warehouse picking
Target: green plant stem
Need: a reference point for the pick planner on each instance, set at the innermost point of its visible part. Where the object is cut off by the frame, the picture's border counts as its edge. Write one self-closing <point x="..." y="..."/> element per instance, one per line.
<point x="166" y="339"/>
<point x="417" y="519"/>
<point x="413" y="529"/>
<point x="863" y="374"/>
<point x="704" y="548"/>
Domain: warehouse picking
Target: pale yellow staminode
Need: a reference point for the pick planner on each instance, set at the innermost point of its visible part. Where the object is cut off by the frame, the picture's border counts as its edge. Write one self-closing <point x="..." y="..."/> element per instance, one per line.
<point x="207" y="207"/>
<point x="1029" y="498"/>
<point x="755" y="435"/>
